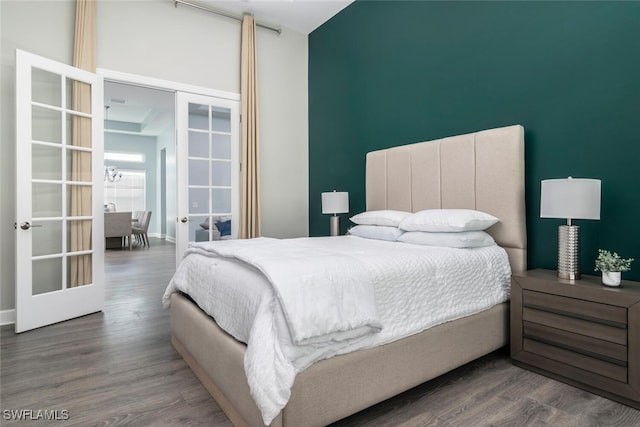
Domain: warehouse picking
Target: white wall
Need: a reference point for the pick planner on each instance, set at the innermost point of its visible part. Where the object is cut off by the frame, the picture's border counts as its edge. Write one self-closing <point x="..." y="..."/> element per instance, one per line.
<point x="155" y="39"/>
<point x="284" y="127"/>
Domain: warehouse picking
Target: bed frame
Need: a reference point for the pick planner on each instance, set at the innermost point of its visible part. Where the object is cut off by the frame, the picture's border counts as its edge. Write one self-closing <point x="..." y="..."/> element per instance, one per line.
<point x="483" y="171"/>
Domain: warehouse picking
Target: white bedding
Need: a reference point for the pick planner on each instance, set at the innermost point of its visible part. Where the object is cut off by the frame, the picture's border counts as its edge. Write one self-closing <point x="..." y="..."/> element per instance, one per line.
<point x="415" y="287"/>
<point x="324" y="296"/>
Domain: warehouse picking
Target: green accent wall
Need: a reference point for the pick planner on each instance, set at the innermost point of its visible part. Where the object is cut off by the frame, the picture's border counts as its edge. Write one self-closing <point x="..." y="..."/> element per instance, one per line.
<point x="387" y="73"/>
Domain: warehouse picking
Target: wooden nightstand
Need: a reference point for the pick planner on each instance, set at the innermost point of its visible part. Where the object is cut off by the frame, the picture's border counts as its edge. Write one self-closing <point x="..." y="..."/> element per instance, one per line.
<point x="578" y="332"/>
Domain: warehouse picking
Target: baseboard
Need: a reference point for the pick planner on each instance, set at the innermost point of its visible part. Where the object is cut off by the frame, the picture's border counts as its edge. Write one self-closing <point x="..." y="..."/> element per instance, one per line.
<point x="7" y="317"/>
<point x="162" y="236"/>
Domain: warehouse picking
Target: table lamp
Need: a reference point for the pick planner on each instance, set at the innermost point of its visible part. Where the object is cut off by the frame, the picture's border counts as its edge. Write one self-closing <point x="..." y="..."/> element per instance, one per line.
<point x="571" y="198"/>
<point x="335" y="202"/>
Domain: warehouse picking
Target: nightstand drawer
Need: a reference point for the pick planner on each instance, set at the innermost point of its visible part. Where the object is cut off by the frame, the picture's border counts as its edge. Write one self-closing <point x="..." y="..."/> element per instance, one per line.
<point x="573" y="307"/>
<point x="590" y="364"/>
<point x="578" y="326"/>
<point x="605" y="350"/>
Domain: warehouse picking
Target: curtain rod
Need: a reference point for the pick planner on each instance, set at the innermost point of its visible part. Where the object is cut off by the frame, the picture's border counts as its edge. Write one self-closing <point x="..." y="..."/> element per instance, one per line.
<point x="226" y="14"/>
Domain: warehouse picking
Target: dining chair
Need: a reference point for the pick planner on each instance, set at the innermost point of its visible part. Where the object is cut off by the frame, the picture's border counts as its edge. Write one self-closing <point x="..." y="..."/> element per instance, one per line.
<point x="137" y="217"/>
<point x="117" y="227"/>
<point x="141" y="227"/>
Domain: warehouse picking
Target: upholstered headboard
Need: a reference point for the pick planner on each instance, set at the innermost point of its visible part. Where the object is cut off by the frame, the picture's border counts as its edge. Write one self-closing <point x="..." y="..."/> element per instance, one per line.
<point x="482" y="170"/>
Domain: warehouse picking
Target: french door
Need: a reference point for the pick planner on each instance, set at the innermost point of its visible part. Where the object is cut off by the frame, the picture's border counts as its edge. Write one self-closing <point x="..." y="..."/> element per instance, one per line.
<point x="59" y="219"/>
<point x="208" y="169"/>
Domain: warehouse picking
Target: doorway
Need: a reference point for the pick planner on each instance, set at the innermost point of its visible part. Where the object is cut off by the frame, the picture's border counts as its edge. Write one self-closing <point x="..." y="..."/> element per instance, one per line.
<point x="122" y="86"/>
<point x="140" y="140"/>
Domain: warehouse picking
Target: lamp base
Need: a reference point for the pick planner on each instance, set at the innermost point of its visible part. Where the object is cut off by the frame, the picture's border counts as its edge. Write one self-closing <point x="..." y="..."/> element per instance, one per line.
<point x="335" y="225"/>
<point x="569" y="252"/>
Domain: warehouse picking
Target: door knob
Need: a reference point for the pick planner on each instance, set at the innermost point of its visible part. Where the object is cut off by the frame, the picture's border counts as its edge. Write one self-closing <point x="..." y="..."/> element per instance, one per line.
<point x="26" y="225"/>
<point x="184" y="220"/>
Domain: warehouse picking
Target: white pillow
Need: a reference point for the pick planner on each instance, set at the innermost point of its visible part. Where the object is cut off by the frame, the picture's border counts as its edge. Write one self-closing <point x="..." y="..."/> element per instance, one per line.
<point x="384" y="217"/>
<point x="448" y="220"/>
<point x="378" y="232"/>
<point x="463" y="239"/>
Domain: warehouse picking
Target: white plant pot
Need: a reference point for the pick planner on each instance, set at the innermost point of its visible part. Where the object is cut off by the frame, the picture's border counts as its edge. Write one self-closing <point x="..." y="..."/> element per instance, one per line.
<point x="611" y="278"/>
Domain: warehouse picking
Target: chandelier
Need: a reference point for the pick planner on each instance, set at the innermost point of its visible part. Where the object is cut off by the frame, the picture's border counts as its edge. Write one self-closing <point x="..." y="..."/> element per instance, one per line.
<point x="111" y="174"/>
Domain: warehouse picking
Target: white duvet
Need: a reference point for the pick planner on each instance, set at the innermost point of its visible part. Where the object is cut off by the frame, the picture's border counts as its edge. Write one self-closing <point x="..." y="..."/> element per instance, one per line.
<point x="360" y="293"/>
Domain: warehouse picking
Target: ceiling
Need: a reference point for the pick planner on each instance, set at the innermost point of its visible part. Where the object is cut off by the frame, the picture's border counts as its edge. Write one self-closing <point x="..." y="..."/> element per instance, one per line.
<point x="138" y="110"/>
<point x="146" y="111"/>
<point x="302" y="16"/>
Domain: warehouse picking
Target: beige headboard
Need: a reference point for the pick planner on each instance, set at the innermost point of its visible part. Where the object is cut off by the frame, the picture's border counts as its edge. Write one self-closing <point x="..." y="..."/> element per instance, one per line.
<point x="482" y="170"/>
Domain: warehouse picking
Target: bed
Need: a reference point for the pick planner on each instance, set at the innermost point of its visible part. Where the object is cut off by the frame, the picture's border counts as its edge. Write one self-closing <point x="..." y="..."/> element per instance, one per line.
<point x="482" y="171"/>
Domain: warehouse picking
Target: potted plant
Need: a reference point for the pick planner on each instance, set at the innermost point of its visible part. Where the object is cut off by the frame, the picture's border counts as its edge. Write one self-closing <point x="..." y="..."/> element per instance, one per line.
<point x="611" y="265"/>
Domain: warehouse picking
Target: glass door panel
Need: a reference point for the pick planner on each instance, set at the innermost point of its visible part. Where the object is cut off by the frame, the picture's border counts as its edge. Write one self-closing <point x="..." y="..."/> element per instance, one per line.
<point x="220" y="119"/>
<point x="46" y="87"/>
<point x="46" y="161"/>
<point x="221" y="173"/>
<point x="46" y="125"/>
<point x="199" y="144"/>
<point x="47" y="200"/>
<point x="46" y="237"/>
<point x="198" y="172"/>
<point x="221" y="201"/>
<point x="47" y="275"/>
<point x="199" y="227"/>
<point x="77" y="196"/>
<point x="78" y="165"/>
<point x="221" y="148"/>
<point x="76" y="93"/>
<point x="72" y="225"/>
<point x="198" y="116"/>
<point x="198" y="200"/>
<point x="75" y="280"/>
<point x="78" y="130"/>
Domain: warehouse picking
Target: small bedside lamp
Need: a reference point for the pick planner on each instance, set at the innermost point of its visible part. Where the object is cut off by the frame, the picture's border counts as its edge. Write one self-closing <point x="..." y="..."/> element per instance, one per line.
<point x="571" y="199"/>
<point x="334" y="203"/>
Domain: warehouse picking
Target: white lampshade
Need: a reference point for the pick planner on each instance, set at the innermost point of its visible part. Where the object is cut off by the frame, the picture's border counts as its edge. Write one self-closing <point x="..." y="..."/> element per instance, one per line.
<point x="571" y="198"/>
<point x="335" y="202"/>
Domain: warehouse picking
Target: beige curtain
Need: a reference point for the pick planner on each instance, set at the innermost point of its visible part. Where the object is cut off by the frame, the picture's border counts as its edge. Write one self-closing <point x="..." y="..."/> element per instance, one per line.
<point x="80" y="267"/>
<point x="250" y="194"/>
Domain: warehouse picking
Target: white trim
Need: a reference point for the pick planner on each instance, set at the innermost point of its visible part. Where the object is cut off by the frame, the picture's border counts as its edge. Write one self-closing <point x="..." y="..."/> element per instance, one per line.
<point x="152" y="82"/>
<point x="7" y="317"/>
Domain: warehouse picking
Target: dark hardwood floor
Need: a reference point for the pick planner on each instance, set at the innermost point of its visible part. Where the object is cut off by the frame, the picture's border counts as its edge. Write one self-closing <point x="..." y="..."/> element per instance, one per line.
<point x="118" y="368"/>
